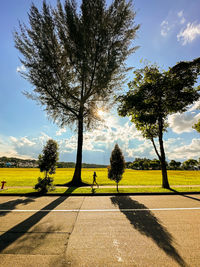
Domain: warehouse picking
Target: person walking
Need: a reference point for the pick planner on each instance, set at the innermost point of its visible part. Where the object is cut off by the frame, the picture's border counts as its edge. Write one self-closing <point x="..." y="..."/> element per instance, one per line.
<point x="94" y="180"/>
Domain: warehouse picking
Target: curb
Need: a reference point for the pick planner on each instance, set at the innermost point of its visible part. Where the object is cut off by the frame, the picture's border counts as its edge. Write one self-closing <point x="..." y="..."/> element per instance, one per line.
<point x="102" y="194"/>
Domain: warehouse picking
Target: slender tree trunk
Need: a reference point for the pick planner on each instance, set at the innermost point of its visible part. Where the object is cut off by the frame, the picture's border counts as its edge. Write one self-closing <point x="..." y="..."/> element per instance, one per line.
<point x="165" y="183"/>
<point x="117" y="188"/>
<point x="77" y="173"/>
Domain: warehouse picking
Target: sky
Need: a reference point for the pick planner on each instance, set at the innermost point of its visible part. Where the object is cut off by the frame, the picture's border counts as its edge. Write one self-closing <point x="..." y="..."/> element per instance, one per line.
<point x="169" y="32"/>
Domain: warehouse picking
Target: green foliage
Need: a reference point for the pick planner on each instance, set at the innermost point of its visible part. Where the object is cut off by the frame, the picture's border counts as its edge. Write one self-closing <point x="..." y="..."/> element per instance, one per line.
<point x="44" y="185"/>
<point x="190" y="164"/>
<point x="155" y="94"/>
<point x="48" y="160"/>
<point x="145" y="164"/>
<point x="197" y="126"/>
<point x="47" y="163"/>
<point x="76" y="59"/>
<point x="117" y="165"/>
<point x="174" y="165"/>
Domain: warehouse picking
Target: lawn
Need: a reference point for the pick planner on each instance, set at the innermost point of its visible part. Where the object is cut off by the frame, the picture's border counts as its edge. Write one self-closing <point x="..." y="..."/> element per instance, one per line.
<point x="18" y="177"/>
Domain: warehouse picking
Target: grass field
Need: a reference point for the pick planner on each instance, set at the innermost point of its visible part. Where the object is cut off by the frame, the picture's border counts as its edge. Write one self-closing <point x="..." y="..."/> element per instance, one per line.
<point x="18" y="177"/>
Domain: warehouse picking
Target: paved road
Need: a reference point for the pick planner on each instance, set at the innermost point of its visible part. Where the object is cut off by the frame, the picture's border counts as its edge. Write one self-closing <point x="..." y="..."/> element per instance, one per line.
<point x="141" y="231"/>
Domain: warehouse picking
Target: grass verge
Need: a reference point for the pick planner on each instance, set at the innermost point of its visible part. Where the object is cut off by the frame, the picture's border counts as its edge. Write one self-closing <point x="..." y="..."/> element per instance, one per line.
<point x="82" y="190"/>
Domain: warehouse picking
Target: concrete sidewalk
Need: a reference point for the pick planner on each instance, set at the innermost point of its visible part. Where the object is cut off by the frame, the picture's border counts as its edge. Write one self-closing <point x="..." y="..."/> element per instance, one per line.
<point x="139" y="231"/>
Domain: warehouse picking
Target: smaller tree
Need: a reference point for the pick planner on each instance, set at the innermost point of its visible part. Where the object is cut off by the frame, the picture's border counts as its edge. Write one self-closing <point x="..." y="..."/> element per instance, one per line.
<point x="47" y="164"/>
<point x="117" y="165"/>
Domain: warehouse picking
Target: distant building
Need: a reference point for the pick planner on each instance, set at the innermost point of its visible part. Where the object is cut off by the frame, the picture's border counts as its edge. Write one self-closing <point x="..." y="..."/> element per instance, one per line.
<point x="8" y="164"/>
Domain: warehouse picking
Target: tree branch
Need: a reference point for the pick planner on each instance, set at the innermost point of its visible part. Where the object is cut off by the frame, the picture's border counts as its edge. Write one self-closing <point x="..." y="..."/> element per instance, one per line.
<point x="152" y="140"/>
<point x="62" y="104"/>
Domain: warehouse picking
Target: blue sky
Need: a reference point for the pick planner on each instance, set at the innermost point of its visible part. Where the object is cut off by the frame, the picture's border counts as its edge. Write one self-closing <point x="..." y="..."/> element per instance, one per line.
<point x="169" y="32"/>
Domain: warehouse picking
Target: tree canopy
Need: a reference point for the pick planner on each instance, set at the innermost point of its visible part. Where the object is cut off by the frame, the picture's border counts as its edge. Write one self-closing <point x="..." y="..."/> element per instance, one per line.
<point x="76" y="60"/>
<point x="197" y="126"/>
<point x="155" y="94"/>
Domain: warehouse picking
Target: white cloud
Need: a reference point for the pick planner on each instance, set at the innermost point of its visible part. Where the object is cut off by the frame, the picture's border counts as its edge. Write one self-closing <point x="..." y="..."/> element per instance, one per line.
<point x="23" y="141"/>
<point x="8" y="149"/>
<point x="61" y="131"/>
<point x="165" y="28"/>
<point x="195" y="106"/>
<point x="182" y="21"/>
<point x="186" y="151"/>
<point x="105" y="136"/>
<point x="144" y="149"/>
<point x="43" y="138"/>
<point x="182" y="122"/>
<point x="23" y="147"/>
<point x="189" y="34"/>
<point x="171" y="22"/>
<point x="180" y="13"/>
<point x="21" y="68"/>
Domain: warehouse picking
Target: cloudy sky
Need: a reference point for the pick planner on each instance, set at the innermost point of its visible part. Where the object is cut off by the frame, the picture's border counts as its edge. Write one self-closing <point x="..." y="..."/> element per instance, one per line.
<point x="169" y="32"/>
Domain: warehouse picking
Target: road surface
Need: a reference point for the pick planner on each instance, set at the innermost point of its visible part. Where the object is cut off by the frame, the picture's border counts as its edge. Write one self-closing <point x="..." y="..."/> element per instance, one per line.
<point x="141" y="231"/>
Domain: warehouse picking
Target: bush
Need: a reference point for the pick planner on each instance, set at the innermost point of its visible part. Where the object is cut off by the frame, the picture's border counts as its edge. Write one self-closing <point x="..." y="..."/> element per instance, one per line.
<point x="44" y="185"/>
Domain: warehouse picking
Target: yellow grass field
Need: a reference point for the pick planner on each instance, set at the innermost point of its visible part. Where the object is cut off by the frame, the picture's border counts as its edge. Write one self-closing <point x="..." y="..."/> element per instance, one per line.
<point x="16" y="177"/>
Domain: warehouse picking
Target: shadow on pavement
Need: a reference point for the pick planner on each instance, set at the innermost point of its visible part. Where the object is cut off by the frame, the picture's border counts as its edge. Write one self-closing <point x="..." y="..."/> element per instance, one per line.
<point x="181" y="194"/>
<point x="147" y="224"/>
<point x="11" y="205"/>
<point x="20" y="229"/>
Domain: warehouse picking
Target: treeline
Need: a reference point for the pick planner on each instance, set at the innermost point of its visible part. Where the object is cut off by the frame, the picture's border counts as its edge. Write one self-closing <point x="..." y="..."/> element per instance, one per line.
<point x="6" y="162"/>
<point x="84" y="165"/>
<point x="148" y="164"/>
<point x="12" y="162"/>
<point x="137" y="164"/>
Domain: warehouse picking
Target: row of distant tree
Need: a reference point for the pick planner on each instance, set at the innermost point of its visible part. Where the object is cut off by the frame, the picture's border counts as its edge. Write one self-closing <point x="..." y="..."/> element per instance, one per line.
<point x="137" y="164"/>
<point x="148" y="164"/>
<point x="11" y="162"/>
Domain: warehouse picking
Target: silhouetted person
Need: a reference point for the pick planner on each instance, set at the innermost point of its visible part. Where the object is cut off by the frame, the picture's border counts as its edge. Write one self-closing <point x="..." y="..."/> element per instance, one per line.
<point x="94" y="179"/>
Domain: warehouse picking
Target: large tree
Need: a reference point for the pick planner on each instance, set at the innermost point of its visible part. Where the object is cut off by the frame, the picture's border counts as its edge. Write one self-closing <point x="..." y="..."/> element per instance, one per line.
<point x="155" y="94"/>
<point x="76" y="60"/>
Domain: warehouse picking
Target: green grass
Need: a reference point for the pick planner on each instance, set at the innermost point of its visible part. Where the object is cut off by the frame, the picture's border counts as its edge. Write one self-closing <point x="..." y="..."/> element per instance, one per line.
<point x="15" y="177"/>
<point x="82" y="190"/>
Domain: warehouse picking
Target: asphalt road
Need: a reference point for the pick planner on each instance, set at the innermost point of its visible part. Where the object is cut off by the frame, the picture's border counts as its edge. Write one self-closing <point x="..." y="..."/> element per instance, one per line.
<point x="101" y="231"/>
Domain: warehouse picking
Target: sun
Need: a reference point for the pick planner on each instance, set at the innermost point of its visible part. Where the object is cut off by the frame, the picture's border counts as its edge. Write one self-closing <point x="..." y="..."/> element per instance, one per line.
<point x="100" y="112"/>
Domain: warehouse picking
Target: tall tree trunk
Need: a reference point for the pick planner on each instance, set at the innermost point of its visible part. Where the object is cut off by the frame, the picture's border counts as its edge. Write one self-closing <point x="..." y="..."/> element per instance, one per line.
<point x="165" y="183"/>
<point x="77" y="173"/>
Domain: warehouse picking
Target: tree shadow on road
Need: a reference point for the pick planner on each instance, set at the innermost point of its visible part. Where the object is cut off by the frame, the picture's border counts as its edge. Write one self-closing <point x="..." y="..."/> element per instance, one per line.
<point x="22" y="228"/>
<point x="147" y="224"/>
<point x="12" y="204"/>
<point x="184" y="195"/>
